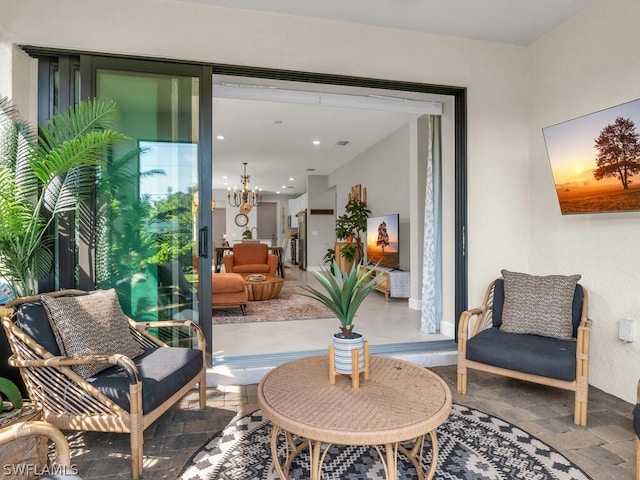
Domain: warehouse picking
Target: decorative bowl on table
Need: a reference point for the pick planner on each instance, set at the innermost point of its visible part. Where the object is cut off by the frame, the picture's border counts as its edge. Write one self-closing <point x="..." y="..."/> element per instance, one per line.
<point x="256" y="278"/>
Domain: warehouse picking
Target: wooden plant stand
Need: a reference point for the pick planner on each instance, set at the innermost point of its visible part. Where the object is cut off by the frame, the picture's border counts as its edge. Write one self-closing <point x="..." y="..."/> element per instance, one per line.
<point x="355" y="363"/>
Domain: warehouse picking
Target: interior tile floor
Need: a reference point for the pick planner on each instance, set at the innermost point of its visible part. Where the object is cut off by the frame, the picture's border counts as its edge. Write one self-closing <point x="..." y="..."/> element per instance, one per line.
<point x="604" y="449"/>
<point x="380" y="321"/>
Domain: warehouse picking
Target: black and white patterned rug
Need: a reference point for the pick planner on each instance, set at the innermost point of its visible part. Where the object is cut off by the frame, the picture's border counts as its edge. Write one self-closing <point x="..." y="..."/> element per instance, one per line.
<point x="473" y="446"/>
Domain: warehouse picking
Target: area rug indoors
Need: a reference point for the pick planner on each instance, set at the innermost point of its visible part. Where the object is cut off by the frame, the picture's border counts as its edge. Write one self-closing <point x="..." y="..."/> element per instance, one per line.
<point x="288" y="306"/>
<point x="473" y="446"/>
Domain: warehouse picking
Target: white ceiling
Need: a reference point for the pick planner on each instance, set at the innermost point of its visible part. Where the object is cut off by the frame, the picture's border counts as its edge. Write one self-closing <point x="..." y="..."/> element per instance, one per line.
<point x="275" y="139"/>
<point x="518" y="22"/>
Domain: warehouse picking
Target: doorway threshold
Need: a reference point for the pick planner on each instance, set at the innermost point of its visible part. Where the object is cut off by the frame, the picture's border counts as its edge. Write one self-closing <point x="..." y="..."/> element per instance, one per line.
<point x="249" y="369"/>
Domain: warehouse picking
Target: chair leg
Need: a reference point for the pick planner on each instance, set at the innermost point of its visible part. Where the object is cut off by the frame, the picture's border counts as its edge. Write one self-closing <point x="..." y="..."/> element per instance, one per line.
<point x="637" y="458"/>
<point x="136" y="457"/>
<point x="581" y="402"/>
<point x="462" y="378"/>
<point x="462" y="383"/>
<point x="202" y="387"/>
<point x="136" y="431"/>
<point x="243" y="308"/>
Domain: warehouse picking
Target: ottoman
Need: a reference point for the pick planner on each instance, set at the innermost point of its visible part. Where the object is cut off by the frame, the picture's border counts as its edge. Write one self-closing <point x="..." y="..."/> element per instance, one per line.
<point x="228" y="290"/>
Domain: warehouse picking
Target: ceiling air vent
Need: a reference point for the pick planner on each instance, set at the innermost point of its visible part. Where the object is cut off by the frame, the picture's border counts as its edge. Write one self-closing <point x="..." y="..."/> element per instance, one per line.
<point x="342" y="143"/>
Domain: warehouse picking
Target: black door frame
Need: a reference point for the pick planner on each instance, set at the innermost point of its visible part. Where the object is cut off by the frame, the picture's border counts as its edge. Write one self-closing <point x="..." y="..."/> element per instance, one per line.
<point x="89" y="60"/>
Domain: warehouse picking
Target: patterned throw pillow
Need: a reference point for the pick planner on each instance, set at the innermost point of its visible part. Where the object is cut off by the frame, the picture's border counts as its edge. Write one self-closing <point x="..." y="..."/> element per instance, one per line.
<point x="92" y="324"/>
<point x="538" y="305"/>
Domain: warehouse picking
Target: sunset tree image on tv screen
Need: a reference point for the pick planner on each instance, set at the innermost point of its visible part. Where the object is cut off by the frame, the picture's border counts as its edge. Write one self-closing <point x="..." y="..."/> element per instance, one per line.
<point x="595" y="160"/>
<point x="382" y="241"/>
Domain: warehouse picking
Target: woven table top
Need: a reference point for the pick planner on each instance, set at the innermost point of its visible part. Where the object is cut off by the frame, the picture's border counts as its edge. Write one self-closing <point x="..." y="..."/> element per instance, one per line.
<point x="400" y="401"/>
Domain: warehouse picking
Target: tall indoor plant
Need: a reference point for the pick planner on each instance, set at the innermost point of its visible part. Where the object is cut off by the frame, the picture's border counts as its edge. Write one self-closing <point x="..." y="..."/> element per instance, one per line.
<point x="42" y="176"/>
<point x="349" y="226"/>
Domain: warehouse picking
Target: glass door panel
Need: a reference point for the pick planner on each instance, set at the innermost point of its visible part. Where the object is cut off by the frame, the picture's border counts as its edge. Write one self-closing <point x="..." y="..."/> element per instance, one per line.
<point x="146" y="241"/>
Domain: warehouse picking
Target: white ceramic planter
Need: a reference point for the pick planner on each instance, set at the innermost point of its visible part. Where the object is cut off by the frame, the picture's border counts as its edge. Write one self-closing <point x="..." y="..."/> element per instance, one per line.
<point x="343" y="348"/>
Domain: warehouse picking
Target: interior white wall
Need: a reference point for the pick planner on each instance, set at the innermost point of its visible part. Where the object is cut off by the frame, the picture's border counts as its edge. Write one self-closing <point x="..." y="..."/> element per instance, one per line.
<point x="587" y="64"/>
<point x="320" y="226"/>
<point x="383" y="170"/>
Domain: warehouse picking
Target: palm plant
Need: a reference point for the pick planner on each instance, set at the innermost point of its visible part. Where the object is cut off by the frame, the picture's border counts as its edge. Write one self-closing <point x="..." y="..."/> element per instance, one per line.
<point x="346" y="292"/>
<point x="43" y="176"/>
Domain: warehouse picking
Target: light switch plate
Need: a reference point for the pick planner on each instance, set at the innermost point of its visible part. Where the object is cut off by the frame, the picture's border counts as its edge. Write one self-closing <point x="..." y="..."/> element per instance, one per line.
<point x="627" y="330"/>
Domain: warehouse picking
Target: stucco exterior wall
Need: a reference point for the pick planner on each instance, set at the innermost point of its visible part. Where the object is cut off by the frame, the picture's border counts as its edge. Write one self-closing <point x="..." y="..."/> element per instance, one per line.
<point x="588" y="64"/>
<point x="493" y="73"/>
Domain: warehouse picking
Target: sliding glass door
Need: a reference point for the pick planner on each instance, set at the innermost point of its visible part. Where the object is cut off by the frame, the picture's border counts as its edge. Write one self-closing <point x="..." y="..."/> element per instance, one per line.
<point x="149" y="240"/>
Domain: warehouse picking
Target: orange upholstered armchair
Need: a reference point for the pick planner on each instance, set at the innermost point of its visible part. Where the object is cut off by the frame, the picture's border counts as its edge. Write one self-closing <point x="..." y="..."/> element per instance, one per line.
<point x="251" y="258"/>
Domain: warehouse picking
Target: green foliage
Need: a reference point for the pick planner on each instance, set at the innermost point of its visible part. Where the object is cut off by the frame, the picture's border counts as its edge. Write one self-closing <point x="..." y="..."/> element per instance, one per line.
<point x="353" y="221"/>
<point x="42" y="177"/>
<point x="346" y="291"/>
<point x="349" y="252"/>
<point x="10" y="391"/>
<point x="351" y="224"/>
<point x="329" y="256"/>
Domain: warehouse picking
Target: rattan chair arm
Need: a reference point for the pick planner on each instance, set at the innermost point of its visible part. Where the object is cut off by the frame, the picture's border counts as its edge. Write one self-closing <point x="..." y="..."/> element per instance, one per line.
<point x="65" y="361"/>
<point x="38" y="427"/>
<point x="465" y="321"/>
<point x="638" y="391"/>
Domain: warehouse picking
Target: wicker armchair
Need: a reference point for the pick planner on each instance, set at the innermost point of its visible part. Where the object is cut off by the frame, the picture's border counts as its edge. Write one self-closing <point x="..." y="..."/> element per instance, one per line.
<point x="37" y="427"/>
<point x="548" y="361"/>
<point x="115" y="400"/>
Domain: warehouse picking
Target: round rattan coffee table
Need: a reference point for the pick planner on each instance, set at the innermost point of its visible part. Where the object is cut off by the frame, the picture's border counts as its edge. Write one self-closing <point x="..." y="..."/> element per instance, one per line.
<point x="395" y="408"/>
<point x="260" y="290"/>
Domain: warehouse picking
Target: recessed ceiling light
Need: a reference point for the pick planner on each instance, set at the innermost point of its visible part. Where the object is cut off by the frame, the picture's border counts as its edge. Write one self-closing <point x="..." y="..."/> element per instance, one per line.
<point x="284" y="186"/>
<point x="224" y="177"/>
<point x="291" y="179"/>
<point x="316" y="142"/>
<point x="220" y="137"/>
<point x="278" y="192"/>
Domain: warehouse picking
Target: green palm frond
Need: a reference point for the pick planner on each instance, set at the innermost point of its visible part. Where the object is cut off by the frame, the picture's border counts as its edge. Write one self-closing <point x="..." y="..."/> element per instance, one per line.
<point x="87" y="116"/>
<point x="42" y="176"/>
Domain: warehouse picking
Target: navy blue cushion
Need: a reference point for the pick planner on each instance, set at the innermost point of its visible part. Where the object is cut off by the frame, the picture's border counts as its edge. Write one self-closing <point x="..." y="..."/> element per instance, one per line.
<point x="33" y="320"/>
<point x="498" y="304"/>
<point x="163" y="371"/>
<point x="545" y="356"/>
<point x="636" y="419"/>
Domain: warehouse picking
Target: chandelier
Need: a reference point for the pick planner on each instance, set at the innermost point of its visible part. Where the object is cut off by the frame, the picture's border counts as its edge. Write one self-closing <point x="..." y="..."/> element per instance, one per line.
<point x="245" y="199"/>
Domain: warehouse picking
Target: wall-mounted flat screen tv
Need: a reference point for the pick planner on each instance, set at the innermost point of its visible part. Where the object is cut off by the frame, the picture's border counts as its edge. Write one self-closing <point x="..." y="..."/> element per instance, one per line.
<point x="595" y="160"/>
<point x="383" y="245"/>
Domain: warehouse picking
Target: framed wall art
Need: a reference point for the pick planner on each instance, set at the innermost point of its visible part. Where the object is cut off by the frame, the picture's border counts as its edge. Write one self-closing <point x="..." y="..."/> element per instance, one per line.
<point x="595" y="160"/>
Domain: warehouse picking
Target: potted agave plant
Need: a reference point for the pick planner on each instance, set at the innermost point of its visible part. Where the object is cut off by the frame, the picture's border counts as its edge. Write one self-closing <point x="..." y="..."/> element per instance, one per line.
<point x="346" y="292"/>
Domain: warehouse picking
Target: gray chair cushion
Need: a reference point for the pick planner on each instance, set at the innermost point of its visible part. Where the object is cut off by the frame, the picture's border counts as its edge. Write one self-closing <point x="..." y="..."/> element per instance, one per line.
<point x="636" y="419"/>
<point x="544" y="356"/>
<point x="498" y="303"/>
<point x="33" y="320"/>
<point x="163" y="371"/>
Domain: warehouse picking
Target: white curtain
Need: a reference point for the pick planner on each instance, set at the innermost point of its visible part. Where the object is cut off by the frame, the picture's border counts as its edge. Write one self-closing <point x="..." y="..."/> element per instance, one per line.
<point x="432" y="245"/>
